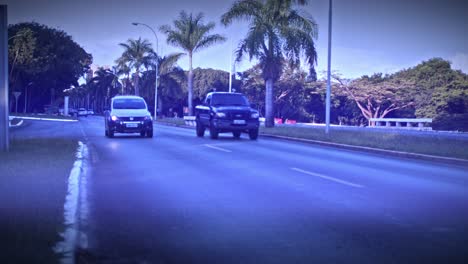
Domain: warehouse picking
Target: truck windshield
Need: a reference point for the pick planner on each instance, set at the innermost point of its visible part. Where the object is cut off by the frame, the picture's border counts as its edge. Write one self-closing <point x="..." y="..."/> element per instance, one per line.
<point x="229" y="99"/>
<point x="129" y="103"/>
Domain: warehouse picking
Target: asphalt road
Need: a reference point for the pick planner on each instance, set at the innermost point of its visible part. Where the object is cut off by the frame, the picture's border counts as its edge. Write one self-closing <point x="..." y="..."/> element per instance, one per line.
<point x="177" y="198"/>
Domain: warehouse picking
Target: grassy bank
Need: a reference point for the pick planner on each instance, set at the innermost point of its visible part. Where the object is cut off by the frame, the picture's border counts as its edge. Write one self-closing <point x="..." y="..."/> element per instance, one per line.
<point x="33" y="186"/>
<point x="430" y="145"/>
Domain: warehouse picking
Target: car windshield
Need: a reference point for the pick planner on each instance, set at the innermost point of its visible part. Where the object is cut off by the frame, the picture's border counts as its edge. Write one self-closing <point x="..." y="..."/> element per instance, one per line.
<point x="229" y="99"/>
<point x="129" y="103"/>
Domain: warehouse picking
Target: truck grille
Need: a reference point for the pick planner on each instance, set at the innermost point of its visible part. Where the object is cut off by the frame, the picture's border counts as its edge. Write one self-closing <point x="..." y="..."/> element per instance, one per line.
<point x="238" y="115"/>
<point x="126" y="118"/>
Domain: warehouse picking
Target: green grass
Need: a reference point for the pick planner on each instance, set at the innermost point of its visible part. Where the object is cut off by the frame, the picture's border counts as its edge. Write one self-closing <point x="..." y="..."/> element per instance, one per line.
<point x="33" y="186"/>
<point x="430" y="145"/>
<point x="43" y="116"/>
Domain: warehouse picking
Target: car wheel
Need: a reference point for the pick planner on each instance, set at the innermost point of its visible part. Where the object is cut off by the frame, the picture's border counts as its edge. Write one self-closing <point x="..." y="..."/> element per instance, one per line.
<point x="213" y="132"/>
<point x="111" y="133"/>
<point x="149" y="133"/>
<point x="200" y="129"/>
<point x="253" y="134"/>
<point x="236" y="134"/>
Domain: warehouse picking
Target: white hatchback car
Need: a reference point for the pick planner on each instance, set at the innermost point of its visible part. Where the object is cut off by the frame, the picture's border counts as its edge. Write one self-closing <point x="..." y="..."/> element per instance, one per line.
<point x="128" y="114"/>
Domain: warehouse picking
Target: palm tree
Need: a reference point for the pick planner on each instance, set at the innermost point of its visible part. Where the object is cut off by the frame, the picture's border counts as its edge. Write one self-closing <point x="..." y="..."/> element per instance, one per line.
<point x="191" y="34"/>
<point x="277" y="32"/>
<point x="170" y="79"/>
<point x="137" y="53"/>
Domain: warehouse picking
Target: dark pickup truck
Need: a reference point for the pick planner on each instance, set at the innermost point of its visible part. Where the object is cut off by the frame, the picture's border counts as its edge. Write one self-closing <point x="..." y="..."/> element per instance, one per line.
<point x="223" y="112"/>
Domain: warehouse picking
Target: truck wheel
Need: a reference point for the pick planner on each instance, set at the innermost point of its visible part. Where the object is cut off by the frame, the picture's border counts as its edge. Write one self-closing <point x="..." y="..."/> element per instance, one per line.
<point x="213" y="132"/>
<point x="253" y="134"/>
<point x="142" y="133"/>
<point x="149" y="133"/>
<point x="106" y="133"/>
<point x="236" y="134"/>
<point x="200" y="129"/>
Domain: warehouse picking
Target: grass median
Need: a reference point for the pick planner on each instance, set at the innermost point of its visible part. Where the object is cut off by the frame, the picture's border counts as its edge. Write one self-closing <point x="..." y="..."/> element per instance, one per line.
<point x="391" y="140"/>
<point x="33" y="186"/>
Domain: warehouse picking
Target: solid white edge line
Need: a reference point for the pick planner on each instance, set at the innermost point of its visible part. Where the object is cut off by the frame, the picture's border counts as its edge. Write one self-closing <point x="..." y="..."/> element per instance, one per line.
<point x="217" y="148"/>
<point x="45" y="119"/>
<point x="71" y="235"/>
<point x="328" y="178"/>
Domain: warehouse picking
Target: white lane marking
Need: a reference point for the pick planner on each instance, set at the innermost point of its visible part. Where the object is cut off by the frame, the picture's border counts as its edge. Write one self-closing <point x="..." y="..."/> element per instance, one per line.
<point x="73" y="202"/>
<point x="45" y="119"/>
<point x="328" y="178"/>
<point x="217" y="148"/>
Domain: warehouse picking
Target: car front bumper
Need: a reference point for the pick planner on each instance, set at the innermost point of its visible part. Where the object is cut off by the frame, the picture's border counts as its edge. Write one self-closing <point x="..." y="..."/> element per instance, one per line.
<point x="226" y="125"/>
<point x="130" y="126"/>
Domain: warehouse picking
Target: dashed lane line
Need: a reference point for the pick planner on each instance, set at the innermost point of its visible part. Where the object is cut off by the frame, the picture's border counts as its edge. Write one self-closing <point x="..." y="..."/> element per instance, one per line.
<point x="217" y="148"/>
<point x="328" y="178"/>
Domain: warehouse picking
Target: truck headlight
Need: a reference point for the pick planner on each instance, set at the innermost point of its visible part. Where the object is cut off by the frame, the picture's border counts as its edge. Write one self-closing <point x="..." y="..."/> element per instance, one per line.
<point x="254" y="115"/>
<point x="147" y="118"/>
<point x="114" y="118"/>
<point x="220" y="114"/>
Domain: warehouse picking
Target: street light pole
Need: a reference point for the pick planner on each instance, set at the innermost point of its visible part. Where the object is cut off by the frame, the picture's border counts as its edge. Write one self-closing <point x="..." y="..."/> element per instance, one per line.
<point x="4" y="115"/>
<point x="327" y="107"/>
<point x="156" y="70"/>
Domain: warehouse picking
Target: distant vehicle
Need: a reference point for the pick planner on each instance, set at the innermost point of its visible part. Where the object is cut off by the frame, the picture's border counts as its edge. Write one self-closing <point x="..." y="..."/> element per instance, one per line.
<point x="90" y="112"/>
<point x="223" y="112"/>
<point x="82" y="112"/>
<point x="128" y="114"/>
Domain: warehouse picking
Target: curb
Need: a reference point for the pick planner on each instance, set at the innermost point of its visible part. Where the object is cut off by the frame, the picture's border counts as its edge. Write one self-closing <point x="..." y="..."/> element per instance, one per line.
<point x="44" y="119"/>
<point x="403" y="154"/>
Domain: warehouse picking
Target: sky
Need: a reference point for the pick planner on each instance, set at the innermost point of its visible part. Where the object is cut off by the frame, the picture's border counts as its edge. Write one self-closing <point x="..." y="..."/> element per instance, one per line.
<point x="368" y="36"/>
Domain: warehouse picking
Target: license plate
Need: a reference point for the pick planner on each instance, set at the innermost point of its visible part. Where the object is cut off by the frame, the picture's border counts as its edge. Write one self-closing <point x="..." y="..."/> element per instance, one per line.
<point x="131" y="125"/>
<point x="239" y="122"/>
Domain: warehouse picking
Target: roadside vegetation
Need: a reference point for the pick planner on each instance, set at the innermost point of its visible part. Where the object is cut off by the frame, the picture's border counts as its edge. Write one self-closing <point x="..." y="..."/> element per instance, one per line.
<point x="278" y="84"/>
<point x="405" y="142"/>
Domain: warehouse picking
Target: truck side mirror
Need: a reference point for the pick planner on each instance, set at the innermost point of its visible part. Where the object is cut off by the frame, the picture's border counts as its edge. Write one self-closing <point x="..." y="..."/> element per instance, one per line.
<point x="254" y="106"/>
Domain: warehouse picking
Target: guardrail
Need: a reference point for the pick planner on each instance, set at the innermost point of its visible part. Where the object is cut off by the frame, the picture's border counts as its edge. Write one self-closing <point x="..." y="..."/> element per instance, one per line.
<point x="403" y="123"/>
<point x="190" y="120"/>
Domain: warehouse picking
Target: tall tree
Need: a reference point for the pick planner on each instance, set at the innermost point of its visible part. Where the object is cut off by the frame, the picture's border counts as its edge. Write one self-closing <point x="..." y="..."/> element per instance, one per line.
<point x="377" y="95"/>
<point x="191" y="34"/>
<point x="137" y="54"/>
<point x="43" y="62"/>
<point x="277" y="32"/>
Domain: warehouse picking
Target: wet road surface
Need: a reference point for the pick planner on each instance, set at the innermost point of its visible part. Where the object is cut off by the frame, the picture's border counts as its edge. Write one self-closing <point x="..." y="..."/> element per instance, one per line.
<point x="177" y="198"/>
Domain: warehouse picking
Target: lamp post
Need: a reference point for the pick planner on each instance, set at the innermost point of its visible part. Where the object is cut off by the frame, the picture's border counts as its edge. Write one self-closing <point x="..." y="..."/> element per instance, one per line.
<point x="156" y="69"/>
<point x="327" y="107"/>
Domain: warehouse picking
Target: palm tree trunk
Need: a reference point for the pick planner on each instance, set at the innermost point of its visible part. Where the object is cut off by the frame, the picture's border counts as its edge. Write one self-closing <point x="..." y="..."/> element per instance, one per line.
<point x="137" y="80"/>
<point x="269" y="117"/>
<point x="190" y="85"/>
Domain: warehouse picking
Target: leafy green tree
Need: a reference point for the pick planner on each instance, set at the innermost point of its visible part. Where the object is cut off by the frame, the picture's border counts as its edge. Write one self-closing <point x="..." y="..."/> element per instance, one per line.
<point x="191" y="34"/>
<point x="43" y="62"/>
<point x="377" y="95"/>
<point x="137" y="54"/>
<point x="104" y="85"/>
<point x="277" y="32"/>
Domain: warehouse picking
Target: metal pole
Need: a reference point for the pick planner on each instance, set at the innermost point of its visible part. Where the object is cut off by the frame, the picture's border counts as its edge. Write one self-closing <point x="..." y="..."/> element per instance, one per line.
<point x="4" y="118"/>
<point x="230" y="69"/>
<point x="327" y="103"/>
<point x="156" y="69"/>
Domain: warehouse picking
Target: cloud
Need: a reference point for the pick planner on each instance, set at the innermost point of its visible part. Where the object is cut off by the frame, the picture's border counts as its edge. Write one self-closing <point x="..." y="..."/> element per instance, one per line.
<point x="460" y="61"/>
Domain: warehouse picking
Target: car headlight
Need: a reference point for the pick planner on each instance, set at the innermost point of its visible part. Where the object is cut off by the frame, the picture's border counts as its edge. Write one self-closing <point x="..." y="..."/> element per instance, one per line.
<point x="220" y="114"/>
<point x="114" y="118"/>
<point x="254" y="115"/>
